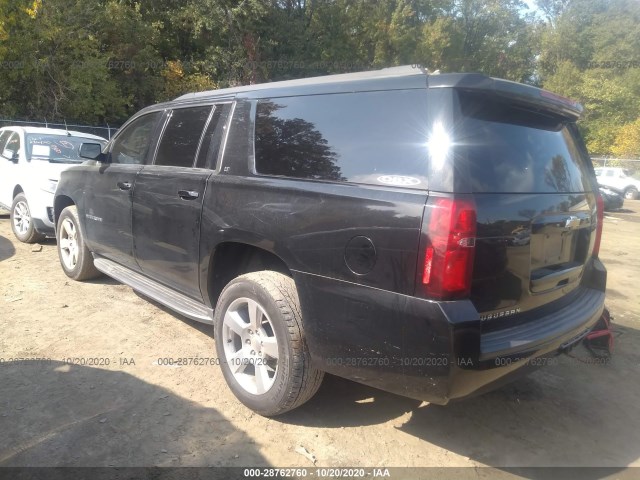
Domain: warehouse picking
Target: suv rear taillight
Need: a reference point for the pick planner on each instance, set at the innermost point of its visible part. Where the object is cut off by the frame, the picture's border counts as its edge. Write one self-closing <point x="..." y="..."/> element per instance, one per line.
<point x="600" y="220"/>
<point x="449" y="247"/>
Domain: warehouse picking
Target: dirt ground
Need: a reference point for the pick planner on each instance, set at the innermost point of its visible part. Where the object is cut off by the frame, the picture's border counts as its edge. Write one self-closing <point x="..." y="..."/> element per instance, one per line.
<point x="130" y="411"/>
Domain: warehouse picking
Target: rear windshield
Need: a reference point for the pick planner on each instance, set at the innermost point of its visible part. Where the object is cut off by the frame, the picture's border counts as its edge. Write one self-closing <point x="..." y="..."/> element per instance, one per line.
<point x="375" y="138"/>
<point x="509" y="149"/>
<point x="56" y="148"/>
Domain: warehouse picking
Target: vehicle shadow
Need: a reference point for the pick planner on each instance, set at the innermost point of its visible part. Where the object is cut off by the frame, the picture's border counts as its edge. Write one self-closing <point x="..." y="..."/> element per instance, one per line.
<point x="7" y="250"/>
<point x="57" y="414"/>
<point x="577" y="412"/>
<point x="342" y="403"/>
<point x="102" y="280"/>
<point x="622" y="210"/>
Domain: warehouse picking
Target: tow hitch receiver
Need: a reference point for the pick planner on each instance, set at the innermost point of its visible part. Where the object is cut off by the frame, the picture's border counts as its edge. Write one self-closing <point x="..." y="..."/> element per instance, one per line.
<point x="568" y="345"/>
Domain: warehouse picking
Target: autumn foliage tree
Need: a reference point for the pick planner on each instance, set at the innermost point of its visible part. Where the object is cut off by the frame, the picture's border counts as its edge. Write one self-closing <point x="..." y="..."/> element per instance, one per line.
<point x="627" y="142"/>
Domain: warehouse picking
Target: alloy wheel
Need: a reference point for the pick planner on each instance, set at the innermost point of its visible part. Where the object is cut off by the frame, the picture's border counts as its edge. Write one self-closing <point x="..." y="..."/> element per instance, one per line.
<point x="21" y="217"/>
<point x="250" y="345"/>
<point x="69" y="244"/>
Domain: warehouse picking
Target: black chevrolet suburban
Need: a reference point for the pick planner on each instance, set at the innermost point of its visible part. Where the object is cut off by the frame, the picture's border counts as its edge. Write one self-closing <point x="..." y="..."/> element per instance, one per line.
<point x="432" y="235"/>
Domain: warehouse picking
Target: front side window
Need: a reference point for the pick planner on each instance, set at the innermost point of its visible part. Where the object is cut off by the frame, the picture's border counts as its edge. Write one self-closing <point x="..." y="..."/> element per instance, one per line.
<point x="132" y="144"/>
<point x="181" y="137"/>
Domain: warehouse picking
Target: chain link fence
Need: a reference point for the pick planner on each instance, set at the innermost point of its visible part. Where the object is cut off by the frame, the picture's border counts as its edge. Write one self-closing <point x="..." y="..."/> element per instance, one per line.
<point x="631" y="164"/>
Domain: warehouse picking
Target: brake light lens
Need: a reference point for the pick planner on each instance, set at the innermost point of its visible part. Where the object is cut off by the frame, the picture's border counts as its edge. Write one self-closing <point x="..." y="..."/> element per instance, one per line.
<point x="449" y="248"/>
<point x="600" y="217"/>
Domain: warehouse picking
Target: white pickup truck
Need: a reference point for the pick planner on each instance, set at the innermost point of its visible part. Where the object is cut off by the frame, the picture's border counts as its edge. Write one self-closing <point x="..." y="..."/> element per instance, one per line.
<point x="31" y="160"/>
<point x="619" y="180"/>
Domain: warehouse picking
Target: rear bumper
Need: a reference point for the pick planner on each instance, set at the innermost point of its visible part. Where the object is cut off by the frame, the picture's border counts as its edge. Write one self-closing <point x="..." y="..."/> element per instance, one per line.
<point x="509" y="353"/>
<point x="433" y="351"/>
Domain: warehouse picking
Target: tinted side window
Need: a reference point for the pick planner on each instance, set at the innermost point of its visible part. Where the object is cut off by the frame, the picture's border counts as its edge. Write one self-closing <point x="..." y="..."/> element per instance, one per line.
<point x="508" y="149"/>
<point x="4" y="136"/>
<point x="132" y="144"/>
<point x="373" y="137"/>
<point x="13" y="143"/>
<point x="181" y="137"/>
<point x="212" y="138"/>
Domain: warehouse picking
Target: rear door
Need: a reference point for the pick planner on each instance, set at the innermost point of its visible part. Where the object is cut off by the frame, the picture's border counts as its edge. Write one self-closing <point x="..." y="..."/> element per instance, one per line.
<point x="535" y="195"/>
<point x="167" y="202"/>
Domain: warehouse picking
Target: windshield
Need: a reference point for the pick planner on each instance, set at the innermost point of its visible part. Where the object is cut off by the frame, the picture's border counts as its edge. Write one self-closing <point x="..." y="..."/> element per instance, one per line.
<point x="56" y="148"/>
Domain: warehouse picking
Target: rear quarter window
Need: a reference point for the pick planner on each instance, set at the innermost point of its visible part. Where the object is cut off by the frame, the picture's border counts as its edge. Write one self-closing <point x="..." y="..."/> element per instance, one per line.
<point x="509" y="149"/>
<point x="373" y="138"/>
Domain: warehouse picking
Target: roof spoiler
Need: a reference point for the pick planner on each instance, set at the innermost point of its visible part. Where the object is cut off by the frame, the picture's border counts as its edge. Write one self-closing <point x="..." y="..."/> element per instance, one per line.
<point x="516" y="92"/>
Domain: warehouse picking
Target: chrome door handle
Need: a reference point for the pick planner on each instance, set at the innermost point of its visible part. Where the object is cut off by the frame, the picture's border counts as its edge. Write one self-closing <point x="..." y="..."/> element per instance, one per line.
<point x="188" y="194"/>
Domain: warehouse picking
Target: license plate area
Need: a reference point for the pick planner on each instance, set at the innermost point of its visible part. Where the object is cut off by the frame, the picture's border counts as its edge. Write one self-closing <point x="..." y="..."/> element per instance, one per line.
<point x="559" y="247"/>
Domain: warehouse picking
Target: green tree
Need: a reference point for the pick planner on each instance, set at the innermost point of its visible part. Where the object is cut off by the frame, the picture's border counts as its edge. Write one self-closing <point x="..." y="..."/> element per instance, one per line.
<point x="627" y="141"/>
<point x="590" y="51"/>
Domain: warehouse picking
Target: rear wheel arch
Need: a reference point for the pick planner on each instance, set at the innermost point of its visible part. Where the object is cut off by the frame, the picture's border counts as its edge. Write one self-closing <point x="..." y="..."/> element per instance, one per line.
<point x="232" y="259"/>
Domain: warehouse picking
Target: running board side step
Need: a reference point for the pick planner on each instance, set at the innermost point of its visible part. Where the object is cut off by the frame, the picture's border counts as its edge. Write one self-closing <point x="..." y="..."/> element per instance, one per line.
<point x="174" y="300"/>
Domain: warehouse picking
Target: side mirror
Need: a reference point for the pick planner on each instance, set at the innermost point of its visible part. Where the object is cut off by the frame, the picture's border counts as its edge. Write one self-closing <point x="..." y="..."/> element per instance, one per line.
<point x="91" y="151"/>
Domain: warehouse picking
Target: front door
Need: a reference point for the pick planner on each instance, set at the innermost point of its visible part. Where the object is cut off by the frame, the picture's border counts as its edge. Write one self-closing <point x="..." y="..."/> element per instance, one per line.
<point x="108" y="195"/>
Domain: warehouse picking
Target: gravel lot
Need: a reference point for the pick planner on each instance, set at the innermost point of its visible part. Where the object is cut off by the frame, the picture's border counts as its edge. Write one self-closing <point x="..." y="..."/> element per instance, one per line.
<point x="127" y="410"/>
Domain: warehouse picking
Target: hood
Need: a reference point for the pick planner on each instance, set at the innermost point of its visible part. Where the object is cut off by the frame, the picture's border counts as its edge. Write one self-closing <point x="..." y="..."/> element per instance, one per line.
<point x="44" y="170"/>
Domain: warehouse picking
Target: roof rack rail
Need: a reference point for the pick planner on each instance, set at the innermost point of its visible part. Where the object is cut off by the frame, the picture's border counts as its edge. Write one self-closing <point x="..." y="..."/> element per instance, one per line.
<point x="363" y="76"/>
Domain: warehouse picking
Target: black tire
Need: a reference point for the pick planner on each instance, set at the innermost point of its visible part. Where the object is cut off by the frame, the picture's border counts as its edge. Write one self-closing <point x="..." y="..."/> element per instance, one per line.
<point x="30" y="235"/>
<point x="631" y="193"/>
<point x="296" y="380"/>
<point x="83" y="269"/>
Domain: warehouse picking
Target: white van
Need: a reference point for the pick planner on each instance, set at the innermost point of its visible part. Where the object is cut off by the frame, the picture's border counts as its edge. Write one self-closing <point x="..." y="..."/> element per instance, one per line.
<point x="31" y="160"/>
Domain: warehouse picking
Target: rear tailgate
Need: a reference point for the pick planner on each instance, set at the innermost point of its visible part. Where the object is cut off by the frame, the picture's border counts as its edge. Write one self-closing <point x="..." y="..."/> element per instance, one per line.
<point x="535" y="194"/>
